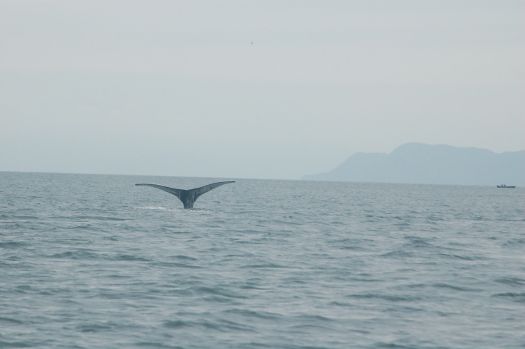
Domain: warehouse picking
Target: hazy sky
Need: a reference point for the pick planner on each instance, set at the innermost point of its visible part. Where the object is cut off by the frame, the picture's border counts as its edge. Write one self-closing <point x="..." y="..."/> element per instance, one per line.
<point x="265" y="89"/>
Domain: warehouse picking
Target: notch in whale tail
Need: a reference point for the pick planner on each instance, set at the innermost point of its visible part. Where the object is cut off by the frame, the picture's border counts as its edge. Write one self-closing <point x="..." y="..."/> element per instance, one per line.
<point x="187" y="196"/>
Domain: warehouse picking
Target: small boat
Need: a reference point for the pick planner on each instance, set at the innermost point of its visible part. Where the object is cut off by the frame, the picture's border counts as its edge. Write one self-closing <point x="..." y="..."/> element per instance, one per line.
<point x="506" y="186"/>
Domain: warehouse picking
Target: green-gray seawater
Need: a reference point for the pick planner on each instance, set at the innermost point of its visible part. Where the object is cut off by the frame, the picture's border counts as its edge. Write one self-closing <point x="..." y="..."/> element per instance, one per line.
<point x="91" y="261"/>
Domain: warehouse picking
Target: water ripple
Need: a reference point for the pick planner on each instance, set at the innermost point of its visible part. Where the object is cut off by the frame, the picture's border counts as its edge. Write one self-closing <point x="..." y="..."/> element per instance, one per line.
<point x="89" y="262"/>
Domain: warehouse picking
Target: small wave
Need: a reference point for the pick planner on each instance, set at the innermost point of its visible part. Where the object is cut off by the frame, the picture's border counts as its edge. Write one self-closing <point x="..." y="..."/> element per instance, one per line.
<point x="10" y="320"/>
<point x="81" y="254"/>
<point x="512" y="281"/>
<point x="27" y="217"/>
<point x="311" y="322"/>
<point x="12" y="244"/>
<point x="397" y="253"/>
<point x="514" y="296"/>
<point x="80" y="226"/>
<point x="341" y="304"/>
<point x="98" y="218"/>
<point x="254" y="314"/>
<point x="217" y="291"/>
<point x="252" y="286"/>
<point x="156" y="345"/>
<point x="86" y="254"/>
<point x="17" y="224"/>
<point x="184" y="257"/>
<point x="404" y="309"/>
<point x="162" y="208"/>
<point x="228" y="325"/>
<point x="130" y="257"/>
<point x="309" y="327"/>
<point x="221" y="326"/>
<point x="264" y="266"/>
<point x="514" y="242"/>
<point x="313" y="318"/>
<point x="176" y="265"/>
<point x="95" y="327"/>
<point x="347" y="244"/>
<point x="6" y="344"/>
<point x="177" y="323"/>
<point x="392" y="346"/>
<point x="386" y="297"/>
<point x="462" y="257"/>
<point x="24" y="289"/>
<point x="454" y="287"/>
<point x="351" y="248"/>
<point x="416" y="241"/>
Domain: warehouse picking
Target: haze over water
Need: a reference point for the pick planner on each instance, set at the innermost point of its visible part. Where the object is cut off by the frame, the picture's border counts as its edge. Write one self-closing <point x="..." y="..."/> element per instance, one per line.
<point x="91" y="261"/>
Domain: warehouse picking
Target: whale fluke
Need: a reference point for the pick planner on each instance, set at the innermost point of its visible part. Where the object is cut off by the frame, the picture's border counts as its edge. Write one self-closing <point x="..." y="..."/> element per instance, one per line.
<point x="187" y="196"/>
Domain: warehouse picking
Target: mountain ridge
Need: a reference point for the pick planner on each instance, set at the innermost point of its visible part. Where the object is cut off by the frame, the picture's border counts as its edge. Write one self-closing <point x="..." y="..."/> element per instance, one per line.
<point x="421" y="163"/>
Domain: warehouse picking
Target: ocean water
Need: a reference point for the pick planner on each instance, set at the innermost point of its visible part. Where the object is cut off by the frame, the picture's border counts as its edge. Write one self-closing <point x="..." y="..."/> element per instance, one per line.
<point x="91" y="261"/>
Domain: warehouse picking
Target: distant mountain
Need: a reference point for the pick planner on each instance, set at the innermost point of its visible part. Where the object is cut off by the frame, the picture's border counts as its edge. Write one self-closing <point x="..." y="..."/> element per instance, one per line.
<point x="431" y="164"/>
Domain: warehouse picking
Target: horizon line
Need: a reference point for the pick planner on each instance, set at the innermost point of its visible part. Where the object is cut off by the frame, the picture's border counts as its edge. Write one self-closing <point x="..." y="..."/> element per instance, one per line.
<point x="250" y="178"/>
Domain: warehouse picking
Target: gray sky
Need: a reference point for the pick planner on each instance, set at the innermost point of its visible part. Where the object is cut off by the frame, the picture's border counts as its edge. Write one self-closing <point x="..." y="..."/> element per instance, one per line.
<point x="265" y="89"/>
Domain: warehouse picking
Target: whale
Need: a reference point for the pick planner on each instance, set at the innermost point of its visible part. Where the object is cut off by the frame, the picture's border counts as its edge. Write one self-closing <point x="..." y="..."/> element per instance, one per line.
<point x="187" y="196"/>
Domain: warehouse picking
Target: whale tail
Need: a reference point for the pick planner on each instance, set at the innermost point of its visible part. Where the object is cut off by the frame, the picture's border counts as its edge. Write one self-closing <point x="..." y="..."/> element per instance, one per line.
<point x="187" y="196"/>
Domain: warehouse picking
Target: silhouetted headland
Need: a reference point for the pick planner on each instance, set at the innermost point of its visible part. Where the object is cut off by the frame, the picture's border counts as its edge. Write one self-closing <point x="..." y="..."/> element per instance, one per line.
<point x="431" y="164"/>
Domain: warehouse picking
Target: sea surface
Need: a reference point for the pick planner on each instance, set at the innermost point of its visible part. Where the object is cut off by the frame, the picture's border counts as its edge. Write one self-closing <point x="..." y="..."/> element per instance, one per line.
<point x="91" y="261"/>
